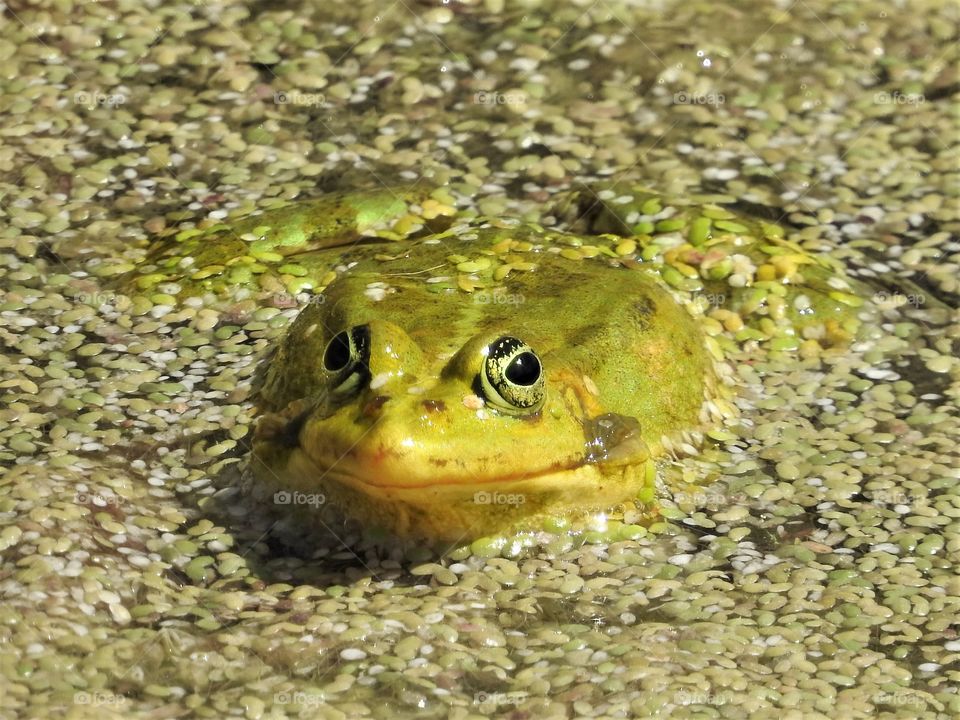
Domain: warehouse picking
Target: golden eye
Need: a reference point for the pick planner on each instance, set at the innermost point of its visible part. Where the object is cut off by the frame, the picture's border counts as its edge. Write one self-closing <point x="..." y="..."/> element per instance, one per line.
<point x="512" y="376"/>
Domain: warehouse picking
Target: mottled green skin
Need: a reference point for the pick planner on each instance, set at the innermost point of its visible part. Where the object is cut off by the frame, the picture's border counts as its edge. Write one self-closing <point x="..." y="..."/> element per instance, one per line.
<point x="274" y="252"/>
<point x="628" y="369"/>
<point x="832" y="296"/>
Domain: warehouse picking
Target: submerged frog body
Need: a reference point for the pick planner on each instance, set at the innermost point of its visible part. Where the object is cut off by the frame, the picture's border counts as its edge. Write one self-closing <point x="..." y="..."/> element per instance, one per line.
<point x="448" y="414"/>
<point x="455" y="380"/>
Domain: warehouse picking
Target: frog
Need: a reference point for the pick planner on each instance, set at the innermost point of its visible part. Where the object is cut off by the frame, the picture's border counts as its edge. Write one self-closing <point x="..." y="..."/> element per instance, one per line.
<point x="452" y="375"/>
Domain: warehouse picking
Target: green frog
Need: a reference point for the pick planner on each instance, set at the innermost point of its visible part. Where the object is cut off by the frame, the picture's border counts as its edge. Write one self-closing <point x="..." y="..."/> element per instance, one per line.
<point x="452" y="376"/>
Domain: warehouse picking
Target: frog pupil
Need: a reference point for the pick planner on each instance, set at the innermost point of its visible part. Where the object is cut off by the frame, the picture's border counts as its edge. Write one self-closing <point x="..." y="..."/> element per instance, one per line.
<point x="524" y="369"/>
<point x="337" y="356"/>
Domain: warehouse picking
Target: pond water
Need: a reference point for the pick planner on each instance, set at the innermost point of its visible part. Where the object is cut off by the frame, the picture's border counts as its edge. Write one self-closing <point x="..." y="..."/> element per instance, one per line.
<point x="816" y="576"/>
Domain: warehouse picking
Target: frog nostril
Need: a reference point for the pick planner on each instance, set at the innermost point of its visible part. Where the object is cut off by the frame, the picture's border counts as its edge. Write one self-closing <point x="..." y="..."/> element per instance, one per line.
<point x="434" y="405"/>
<point x="375" y="404"/>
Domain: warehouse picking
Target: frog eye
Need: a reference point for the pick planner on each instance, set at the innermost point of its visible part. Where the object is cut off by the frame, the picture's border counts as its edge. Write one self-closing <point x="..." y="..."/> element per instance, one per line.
<point x="347" y="358"/>
<point x="512" y="376"/>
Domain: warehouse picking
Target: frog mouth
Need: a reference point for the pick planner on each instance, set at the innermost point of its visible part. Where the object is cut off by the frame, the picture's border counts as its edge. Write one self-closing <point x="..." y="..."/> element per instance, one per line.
<point x="611" y="442"/>
<point x="374" y="487"/>
<point x="361" y="473"/>
<point x="478" y="483"/>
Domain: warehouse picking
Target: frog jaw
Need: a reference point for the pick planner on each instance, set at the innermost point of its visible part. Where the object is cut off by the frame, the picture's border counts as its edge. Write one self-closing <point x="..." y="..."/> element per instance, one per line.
<point x="456" y="511"/>
<point x="387" y="480"/>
